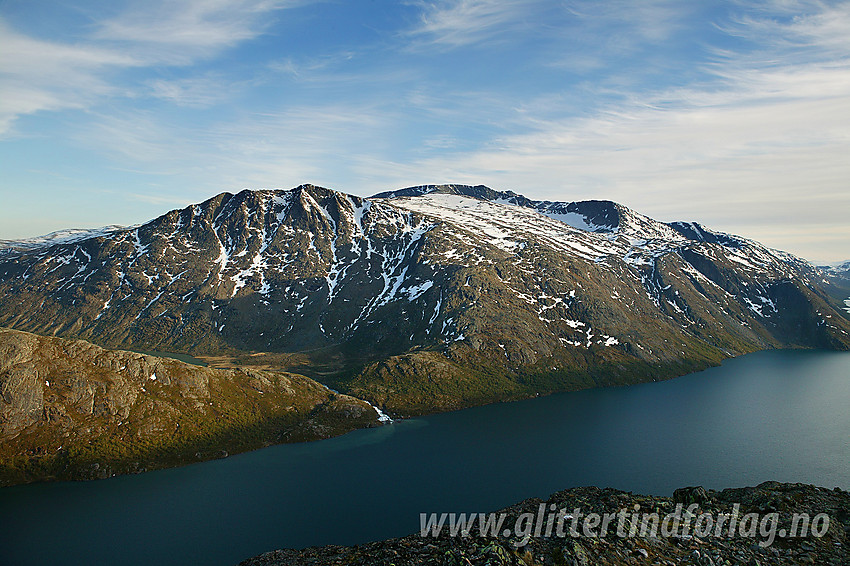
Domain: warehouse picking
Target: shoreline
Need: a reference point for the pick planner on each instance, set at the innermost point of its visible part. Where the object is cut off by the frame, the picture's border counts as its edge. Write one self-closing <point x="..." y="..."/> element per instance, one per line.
<point x="106" y="469"/>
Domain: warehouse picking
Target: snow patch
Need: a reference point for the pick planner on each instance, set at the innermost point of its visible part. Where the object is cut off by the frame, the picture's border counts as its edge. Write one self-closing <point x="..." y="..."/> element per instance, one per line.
<point x="416" y="291"/>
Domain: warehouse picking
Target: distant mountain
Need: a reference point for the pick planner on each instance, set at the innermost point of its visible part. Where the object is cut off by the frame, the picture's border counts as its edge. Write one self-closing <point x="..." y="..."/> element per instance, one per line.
<point x="68" y="236"/>
<point x="838" y="271"/>
<point x="428" y="298"/>
<point x="836" y="281"/>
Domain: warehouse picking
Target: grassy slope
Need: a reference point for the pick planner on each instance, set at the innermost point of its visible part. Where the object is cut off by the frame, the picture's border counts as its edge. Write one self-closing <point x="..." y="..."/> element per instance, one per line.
<point x="72" y="410"/>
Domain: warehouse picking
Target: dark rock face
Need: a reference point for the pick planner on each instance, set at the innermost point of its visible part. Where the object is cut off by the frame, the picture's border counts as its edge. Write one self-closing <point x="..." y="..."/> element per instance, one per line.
<point x="429" y="298"/>
<point x="688" y="495"/>
<point x="72" y="410"/>
<point x="256" y="271"/>
<point x="696" y="232"/>
<point x="831" y="548"/>
<point x="477" y="191"/>
<point x="836" y="281"/>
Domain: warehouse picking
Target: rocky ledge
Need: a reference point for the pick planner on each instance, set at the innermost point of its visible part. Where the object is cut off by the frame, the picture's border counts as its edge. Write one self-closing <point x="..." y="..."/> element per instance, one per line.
<point x="771" y="507"/>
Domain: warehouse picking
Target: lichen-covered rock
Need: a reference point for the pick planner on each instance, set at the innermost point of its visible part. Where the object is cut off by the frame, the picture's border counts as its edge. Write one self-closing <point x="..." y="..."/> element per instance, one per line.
<point x="22" y="398"/>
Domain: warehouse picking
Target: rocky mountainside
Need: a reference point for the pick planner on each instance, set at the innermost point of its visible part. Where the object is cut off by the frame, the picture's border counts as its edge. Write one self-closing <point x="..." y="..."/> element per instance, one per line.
<point x="837" y="282"/>
<point x="839" y="271"/>
<point x="715" y="548"/>
<point x="72" y="410"/>
<point x="8" y="247"/>
<point x="429" y="298"/>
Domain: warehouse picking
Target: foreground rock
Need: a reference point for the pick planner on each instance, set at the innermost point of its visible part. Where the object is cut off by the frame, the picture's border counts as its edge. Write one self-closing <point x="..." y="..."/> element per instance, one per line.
<point x="711" y="550"/>
<point x="72" y="410"/>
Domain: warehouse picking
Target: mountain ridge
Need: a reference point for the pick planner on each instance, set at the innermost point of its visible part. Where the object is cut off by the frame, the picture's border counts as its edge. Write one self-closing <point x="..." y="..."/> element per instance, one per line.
<point x="71" y="410"/>
<point x="428" y="298"/>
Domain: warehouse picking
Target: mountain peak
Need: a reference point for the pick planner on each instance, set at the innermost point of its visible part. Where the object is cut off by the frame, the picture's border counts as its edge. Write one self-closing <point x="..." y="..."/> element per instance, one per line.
<point x="476" y="191"/>
<point x="435" y="280"/>
<point x="588" y="215"/>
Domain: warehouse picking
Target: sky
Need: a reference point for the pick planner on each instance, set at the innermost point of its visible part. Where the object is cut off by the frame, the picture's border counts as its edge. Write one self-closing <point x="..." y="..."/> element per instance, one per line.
<point x="734" y="114"/>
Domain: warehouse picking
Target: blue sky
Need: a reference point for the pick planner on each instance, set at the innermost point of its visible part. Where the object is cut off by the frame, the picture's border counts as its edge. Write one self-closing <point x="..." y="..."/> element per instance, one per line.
<point x="735" y="114"/>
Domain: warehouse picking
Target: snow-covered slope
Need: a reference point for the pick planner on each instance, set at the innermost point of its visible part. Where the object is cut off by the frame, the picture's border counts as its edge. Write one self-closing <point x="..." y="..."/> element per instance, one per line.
<point x="508" y="226"/>
<point x="594" y="230"/>
<point x="838" y="271"/>
<point x="837" y="280"/>
<point x="391" y="293"/>
<point x="67" y="236"/>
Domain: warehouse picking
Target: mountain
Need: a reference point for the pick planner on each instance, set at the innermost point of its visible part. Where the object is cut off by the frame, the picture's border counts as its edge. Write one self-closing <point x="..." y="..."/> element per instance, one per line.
<point x="73" y="410"/>
<point x="839" y="270"/>
<point x="424" y="299"/>
<point x="68" y="236"/>
<point x="837" y="281"/>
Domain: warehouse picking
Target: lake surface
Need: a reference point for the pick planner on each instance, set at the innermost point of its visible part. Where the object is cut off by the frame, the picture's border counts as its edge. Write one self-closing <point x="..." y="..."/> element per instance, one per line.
<point x="779" y="415"/>
<point x="174" y="356"/>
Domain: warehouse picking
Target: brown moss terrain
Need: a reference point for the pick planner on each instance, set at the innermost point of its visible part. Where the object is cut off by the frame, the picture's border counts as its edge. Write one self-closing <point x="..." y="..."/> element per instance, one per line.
<point x="72" y="410"/>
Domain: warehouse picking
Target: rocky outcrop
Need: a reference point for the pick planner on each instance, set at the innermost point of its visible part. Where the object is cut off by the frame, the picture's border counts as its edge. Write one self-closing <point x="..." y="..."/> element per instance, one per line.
<point x="72" y="410"/>
<point x="714" y="548"/>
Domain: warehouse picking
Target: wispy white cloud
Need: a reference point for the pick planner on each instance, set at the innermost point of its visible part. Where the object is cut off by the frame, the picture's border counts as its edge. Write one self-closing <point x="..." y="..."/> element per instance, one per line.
<point x="760" y="141"/>
<point x="611" y="26"/>
<point x="44" y="75"/>
<point x="321" y="68"/>
<point x="137" y="137"/>
<point x="650" y="20"/>
<point x="48" y="75"/>
<point x="752" y="136"/>
<point x="812" y="28"/>
<point x="198" y="92"/>
<point x="178" y="32"/>
<point x="321" y="144"/>
<point x="457" y="23"/>
<point x="317" y="143"/>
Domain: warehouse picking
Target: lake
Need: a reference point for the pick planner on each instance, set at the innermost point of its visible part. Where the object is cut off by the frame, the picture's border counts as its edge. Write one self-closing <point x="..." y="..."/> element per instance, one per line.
<point x="776" y="415"/>
<point x="186" y="358"/>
